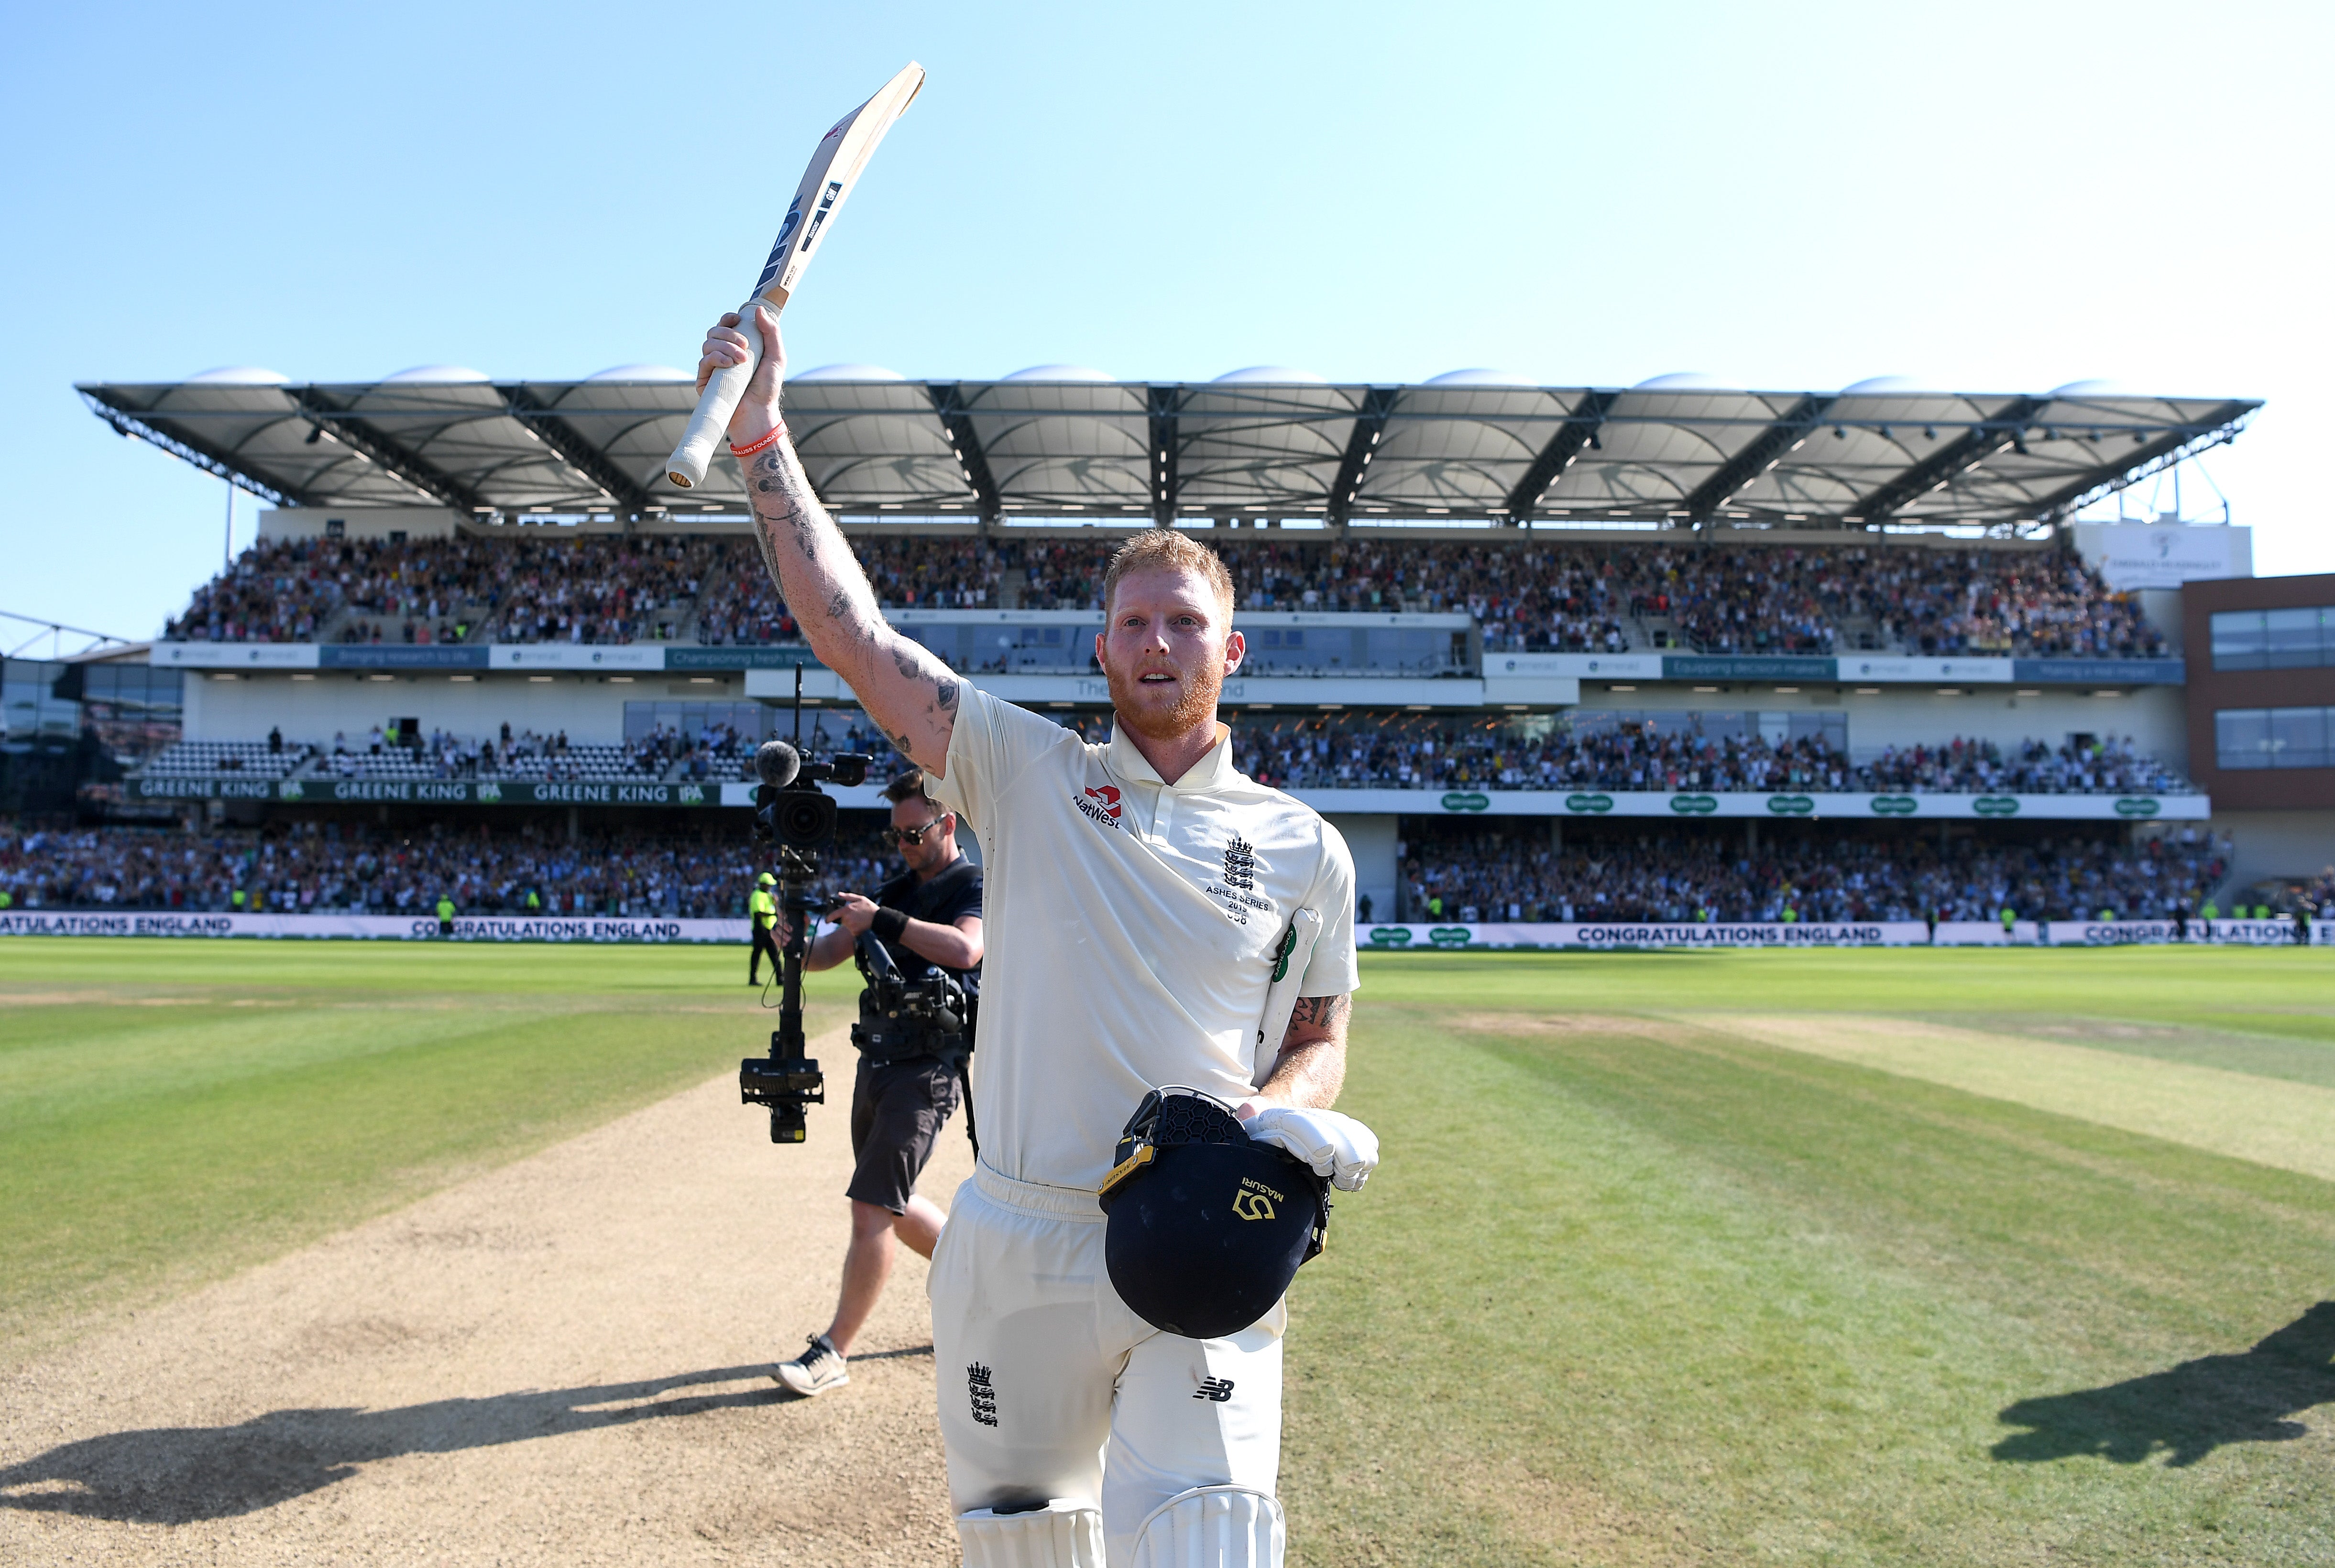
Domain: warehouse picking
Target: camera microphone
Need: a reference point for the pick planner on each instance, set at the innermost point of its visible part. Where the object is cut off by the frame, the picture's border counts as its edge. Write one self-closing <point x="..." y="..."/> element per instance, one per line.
<point x="777" y="763"/>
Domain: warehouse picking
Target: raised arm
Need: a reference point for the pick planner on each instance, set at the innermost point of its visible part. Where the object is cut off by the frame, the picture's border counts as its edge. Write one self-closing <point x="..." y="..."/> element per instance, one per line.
<point x="908" y="690"/>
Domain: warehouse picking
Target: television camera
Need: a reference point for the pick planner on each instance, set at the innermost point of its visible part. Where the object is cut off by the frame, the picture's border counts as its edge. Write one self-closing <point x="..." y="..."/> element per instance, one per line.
<point x="796" y="818"/>
<point x="901" y="1016"/>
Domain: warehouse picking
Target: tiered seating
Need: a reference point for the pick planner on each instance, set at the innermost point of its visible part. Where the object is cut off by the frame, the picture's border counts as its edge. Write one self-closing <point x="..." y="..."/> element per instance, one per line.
<point x="696" y="871"/>
<point x="1665" y="751"/>
<point x="1530" y="592"/>
<point x="569" y="764"/>
<point x="206" y="759"/>
<point x="1495" y="872"/>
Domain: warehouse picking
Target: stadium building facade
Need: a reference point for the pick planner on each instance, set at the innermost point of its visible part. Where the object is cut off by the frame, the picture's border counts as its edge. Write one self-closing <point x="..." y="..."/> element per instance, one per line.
<point x="1675" y="653"/>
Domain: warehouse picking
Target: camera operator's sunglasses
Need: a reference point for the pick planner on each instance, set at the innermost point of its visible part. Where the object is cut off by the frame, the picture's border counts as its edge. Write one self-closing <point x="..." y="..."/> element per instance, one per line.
<point x="912" y="835"/>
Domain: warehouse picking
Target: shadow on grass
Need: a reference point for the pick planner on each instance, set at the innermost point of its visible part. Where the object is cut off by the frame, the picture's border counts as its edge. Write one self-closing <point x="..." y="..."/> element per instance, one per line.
<point x="177" y="1475"/>
<point x="2190" y="1410"/>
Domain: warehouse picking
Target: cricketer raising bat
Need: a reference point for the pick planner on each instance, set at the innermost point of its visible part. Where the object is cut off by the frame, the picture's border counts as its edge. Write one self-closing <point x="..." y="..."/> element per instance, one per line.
<point x="834" y="169"/>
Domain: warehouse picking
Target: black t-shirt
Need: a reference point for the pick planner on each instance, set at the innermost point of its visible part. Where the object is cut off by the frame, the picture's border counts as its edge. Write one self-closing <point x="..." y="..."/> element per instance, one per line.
<point x="942" y="901"/>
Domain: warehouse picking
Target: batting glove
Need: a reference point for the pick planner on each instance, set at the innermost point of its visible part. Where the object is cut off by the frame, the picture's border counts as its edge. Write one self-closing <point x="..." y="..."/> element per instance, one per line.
<point x="1334" y="1145"/>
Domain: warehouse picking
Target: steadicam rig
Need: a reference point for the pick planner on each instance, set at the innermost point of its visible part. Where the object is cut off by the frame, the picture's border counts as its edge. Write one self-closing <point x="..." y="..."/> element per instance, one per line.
<point x="794" y="816"/>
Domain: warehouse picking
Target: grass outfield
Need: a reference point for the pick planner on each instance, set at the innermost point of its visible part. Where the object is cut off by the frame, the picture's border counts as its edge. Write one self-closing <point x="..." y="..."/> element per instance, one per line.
<point x="172" y="1110"/>
<point x="1959" y="1257"/>
<point x="1847" y="1257"/>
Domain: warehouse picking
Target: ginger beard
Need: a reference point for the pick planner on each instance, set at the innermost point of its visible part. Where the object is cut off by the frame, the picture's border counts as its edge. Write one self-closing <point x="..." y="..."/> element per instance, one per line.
<point x="1158" y="710"/>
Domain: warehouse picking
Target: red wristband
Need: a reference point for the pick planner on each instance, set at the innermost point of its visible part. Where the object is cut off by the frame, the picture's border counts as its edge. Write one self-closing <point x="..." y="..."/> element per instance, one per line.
<point x="751" y="448"/>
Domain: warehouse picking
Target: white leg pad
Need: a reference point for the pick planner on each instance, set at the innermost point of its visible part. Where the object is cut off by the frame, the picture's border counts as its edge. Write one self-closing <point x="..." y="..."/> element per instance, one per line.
<point x="1212" y="1527"/>
<point x="1059" y="1536"/>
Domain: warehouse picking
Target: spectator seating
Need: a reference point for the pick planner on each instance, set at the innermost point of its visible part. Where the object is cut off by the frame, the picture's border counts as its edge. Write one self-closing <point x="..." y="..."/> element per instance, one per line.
<point x="690" y="872"/>
<point x="1530" y="592"/>
<point x="209" y="758"/>
<point x="1516" y="873"/>
<point x="1359" y="751"/>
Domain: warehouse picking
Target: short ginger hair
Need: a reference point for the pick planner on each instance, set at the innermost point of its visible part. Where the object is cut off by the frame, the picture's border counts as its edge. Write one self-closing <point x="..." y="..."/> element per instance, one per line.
<point x="1165" y="550"/>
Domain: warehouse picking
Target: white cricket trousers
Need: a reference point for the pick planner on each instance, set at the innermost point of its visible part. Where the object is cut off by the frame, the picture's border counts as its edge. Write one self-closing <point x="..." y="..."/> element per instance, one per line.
<point x="1049" y="1387"/>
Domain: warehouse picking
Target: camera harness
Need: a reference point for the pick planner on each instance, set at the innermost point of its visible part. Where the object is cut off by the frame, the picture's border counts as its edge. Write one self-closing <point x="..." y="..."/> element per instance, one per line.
<point x="901" y="1019"/>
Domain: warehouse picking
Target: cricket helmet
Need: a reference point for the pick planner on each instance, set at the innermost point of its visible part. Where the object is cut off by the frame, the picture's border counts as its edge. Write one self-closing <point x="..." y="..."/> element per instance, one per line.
<point x="1206" y="1228"/>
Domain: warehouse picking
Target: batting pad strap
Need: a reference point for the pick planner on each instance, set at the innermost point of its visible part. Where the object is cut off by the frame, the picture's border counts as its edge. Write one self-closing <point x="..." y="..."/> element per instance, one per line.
<point x="1212" y="1527"/>
<point x="1059" y="1536"/>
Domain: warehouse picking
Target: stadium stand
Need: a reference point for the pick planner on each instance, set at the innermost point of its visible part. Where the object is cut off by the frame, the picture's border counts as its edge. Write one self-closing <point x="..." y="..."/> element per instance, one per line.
<point x="209" y="759"/>
<point x="1466" y="872"/>
<point x="1855" y="627"/>
<point x="1530" y="595"/>
<point x="1497" y="872"/>
<point x="1664" y="750"/>
<point x="307" y="867"/>
<point x="462" y="589"/>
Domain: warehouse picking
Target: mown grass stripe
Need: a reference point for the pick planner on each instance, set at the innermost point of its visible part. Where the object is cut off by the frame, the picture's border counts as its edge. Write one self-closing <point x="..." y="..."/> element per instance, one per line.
<point x="2271" y="1121"/>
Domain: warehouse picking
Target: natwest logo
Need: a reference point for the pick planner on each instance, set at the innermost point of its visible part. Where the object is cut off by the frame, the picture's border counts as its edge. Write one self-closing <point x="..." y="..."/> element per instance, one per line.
<point x="1100" y="803"/>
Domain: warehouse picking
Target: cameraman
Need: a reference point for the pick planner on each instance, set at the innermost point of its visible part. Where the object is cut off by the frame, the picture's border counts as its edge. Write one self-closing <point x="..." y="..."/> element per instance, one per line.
<point x="928" y="919"/>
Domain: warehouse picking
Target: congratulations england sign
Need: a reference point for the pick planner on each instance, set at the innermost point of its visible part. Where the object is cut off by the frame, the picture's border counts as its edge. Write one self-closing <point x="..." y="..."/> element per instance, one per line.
<point x="1409" y="937"/>
<point x="369" y="927"/>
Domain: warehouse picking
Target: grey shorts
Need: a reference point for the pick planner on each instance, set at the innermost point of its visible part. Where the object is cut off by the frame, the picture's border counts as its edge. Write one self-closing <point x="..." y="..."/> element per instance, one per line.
<point x="897" y="1111"/>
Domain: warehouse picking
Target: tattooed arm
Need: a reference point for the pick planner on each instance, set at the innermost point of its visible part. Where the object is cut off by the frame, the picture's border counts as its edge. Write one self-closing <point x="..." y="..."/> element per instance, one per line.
<point x="1312" y="1066"/>
<point x="904" y="688"/>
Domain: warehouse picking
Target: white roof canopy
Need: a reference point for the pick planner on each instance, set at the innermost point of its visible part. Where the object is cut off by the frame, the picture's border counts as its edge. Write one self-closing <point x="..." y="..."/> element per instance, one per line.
<point x="1680" y="450"/>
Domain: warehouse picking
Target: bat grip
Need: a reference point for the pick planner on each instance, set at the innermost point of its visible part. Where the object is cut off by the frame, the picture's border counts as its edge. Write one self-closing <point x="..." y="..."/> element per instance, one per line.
<point x="709" y="422"/>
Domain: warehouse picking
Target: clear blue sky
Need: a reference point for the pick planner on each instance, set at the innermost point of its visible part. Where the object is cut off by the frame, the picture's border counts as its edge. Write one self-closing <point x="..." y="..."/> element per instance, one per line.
<point x="1787" y="196"/>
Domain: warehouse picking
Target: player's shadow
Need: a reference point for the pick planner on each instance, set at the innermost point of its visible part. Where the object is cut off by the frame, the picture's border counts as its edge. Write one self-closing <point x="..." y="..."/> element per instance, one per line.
<point x="176" y="1475"/>
<point x="2190" y="1410"/>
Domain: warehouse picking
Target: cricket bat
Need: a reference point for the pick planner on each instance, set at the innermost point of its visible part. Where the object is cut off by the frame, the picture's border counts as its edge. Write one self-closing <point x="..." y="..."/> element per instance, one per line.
<point x="835" y="167"/>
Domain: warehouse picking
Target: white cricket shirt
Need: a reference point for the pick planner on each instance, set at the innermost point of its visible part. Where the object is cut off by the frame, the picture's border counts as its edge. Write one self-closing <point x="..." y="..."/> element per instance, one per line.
<point x="1132" y="929"/>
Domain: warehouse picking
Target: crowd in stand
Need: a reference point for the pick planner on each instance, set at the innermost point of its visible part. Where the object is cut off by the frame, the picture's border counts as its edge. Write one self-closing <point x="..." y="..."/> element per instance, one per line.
<point x="596" y="588"/>
<point x="2107" y="767"/>
<point x="2320" y="893"/>
<point x="523" y="755"/>
<point x="1429" y="753"/>
<point x="1481" y="873"/>
<point x="306" y="868"/>
<point x="715" y="751"/>
<point x="1470" y="873"/>
<point x="1529" y="594"/>
<point x="1444" y="754"/>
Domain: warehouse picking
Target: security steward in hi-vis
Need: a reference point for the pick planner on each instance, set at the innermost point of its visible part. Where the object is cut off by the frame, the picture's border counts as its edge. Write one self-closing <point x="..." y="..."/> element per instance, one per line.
<point x="914" y="1031"/>
<point x="762" y="913"/>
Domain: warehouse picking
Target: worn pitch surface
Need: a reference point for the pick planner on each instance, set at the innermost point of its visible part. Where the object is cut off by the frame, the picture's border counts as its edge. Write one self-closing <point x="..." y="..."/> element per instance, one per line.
<point x="563" y="1360"/>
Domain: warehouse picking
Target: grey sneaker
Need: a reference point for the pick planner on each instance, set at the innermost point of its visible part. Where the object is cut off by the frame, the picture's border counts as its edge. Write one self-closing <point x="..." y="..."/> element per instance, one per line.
<point x="816" y="1371"/>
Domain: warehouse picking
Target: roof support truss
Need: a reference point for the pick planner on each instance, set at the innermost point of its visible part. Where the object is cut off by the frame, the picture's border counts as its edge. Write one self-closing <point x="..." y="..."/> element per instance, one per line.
<point x="1574" y="434"/>
<point x="1764" y="452"/>
<point x="948" y="402"/>
<point x="1981" y="441"/>
<point x="579" y="454"/>
<point x="388" y="453"/>
<point x="202" y="454"/>
<point x="2176" y="446"/>
<point x="1361" y="444"/>
<point x="1165" y="485"/>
